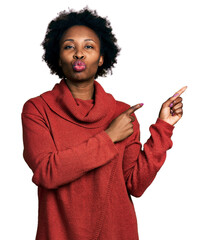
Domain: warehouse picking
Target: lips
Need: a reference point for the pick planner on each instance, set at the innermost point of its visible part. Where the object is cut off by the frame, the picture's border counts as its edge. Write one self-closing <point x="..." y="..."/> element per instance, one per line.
<point x="79" y="66"/>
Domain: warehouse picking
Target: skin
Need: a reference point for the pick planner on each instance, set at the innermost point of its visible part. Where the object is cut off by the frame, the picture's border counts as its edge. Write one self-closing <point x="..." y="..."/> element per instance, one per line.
<point x="74" y="45"/>
<point x="122" y="126"/>
<point x="80" y="43"/>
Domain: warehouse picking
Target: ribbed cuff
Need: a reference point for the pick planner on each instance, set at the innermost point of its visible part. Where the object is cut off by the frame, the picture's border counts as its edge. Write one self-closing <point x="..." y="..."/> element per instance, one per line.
<point x="165" y="124"/>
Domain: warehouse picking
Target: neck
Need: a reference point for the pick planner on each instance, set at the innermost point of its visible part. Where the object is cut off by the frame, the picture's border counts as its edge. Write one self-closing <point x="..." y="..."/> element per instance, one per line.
<point x="81" y="90"/>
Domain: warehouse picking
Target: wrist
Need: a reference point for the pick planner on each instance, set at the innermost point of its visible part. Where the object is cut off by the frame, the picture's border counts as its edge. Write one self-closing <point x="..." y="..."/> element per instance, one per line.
<point x="164" y="120"/>
<point x="165" y="123"/>
<point x="110" y="135"/>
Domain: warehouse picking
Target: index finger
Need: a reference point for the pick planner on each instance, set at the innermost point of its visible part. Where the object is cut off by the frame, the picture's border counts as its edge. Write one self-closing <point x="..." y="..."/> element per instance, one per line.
<point x="179" y="92"/>
<point x="133" y="108"/>
<point x="175" y="96"/>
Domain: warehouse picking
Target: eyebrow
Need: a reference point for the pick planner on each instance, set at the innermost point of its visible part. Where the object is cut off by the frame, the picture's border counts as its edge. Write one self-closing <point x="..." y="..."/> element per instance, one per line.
<point x="72" y="40"/>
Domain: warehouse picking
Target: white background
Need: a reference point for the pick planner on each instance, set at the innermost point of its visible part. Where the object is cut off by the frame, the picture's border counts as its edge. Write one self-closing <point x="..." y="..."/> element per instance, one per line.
<point x="164" y="47"/>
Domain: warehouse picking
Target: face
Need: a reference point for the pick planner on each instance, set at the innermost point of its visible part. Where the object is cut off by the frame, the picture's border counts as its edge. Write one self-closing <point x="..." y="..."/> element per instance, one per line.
<point x="80" y="53"/>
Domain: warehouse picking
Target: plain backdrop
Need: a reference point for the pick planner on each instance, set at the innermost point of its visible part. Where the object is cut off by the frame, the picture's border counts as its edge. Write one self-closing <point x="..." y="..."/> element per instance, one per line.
<point x="164" y="47"/>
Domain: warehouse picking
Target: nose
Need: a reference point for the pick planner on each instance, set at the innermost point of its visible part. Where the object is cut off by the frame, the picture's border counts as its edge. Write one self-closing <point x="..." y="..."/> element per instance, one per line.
<point x="78" y="55"/>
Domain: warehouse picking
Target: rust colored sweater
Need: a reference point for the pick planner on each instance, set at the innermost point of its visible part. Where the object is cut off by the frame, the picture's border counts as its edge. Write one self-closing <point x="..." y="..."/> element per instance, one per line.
<point x="85" y="181"/>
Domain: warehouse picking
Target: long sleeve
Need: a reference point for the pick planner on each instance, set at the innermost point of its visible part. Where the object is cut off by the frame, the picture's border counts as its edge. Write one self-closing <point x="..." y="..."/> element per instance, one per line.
<point x="141" y="166"/>
<point x="52" y="168"/>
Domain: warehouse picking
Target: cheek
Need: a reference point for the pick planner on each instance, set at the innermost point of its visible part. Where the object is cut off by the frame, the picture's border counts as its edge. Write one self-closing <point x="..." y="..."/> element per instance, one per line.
<point x="65" y="62"/>
<point x="96" y="61"/>
<point x="93" y="67"/>
<point x="66" y="66"/>
<point x="64" y="58"/>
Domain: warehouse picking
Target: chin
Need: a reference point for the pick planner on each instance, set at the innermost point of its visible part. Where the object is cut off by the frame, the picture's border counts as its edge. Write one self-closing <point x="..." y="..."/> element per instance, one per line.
<point x="80" y="76"/>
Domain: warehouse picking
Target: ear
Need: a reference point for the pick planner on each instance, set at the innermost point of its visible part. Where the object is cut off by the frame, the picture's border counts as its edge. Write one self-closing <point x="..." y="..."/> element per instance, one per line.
<point x="101" y="60"/>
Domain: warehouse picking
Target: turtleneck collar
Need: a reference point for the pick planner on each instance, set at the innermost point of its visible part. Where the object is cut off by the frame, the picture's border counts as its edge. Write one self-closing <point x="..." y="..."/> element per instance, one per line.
<point x="90" y="113"/>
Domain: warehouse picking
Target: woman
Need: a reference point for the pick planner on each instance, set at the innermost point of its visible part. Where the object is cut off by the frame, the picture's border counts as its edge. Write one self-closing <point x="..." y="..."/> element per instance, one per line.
<point x="83" y="145"/>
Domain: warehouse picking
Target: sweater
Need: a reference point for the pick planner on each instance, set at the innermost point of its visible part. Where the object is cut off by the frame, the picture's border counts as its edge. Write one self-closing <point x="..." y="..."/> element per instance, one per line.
<point x="85" y="180"/>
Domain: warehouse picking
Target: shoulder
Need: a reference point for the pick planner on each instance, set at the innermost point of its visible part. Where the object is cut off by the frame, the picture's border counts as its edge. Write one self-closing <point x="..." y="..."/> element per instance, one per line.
<point x="122" y="106"/>
<point x="38" y="102"/>
<point x="33" y="105"/>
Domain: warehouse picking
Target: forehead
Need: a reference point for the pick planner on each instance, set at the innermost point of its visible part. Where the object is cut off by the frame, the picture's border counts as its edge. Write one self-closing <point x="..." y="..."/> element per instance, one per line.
<point x="80" y="32"/>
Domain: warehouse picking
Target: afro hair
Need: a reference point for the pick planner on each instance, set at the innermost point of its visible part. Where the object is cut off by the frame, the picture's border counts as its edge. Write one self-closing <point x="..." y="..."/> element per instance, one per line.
<point x="86" y="17"/>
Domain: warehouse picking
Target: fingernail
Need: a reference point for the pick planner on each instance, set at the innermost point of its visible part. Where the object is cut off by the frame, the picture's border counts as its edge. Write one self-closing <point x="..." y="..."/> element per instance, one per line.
<point x="141" y="104"/>
<point x="175" y="94"/>
<point x="171" y="105"/>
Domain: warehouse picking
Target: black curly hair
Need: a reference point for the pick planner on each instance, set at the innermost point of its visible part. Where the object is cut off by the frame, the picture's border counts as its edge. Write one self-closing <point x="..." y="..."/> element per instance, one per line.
<point x="86" y="17"/>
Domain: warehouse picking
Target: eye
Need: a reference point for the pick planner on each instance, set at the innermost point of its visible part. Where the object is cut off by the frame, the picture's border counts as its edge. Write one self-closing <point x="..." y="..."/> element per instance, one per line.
<point x="89" y="47"/>
<point x="68" y="47"/>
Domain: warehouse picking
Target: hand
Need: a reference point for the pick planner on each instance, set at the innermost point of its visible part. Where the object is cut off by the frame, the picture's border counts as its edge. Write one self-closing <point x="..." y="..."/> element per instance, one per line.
<point x="172" y="110"/>
<point x="122" y="126"/>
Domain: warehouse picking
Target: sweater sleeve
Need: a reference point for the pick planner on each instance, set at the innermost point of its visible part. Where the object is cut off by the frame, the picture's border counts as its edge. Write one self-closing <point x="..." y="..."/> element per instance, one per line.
<point x="52" y="168"/>
<point x="141" y="166"/>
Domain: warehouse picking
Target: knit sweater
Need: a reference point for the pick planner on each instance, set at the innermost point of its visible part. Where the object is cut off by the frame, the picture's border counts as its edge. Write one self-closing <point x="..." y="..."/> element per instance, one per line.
<point x="85" y="180"/>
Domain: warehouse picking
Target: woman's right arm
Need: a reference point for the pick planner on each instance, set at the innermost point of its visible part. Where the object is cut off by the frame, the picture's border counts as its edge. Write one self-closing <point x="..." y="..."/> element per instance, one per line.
<point x="52" y="168"/>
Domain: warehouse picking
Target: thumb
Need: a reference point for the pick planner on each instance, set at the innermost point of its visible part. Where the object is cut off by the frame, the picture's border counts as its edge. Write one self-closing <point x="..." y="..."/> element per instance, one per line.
<point x="133" y="108"/>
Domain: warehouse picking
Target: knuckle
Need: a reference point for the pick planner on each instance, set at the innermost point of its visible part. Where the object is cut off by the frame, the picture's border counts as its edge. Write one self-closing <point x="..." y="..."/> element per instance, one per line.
<point x="163" y="105"/>
<point x="129" y="119"/>
<point x="131" y="131"/>
<point x="132" y="119"/>
<point x="124" y="116"/>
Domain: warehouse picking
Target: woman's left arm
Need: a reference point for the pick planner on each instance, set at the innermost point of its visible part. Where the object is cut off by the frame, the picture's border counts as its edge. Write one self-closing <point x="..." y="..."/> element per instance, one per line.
<point x="141" y="166"/>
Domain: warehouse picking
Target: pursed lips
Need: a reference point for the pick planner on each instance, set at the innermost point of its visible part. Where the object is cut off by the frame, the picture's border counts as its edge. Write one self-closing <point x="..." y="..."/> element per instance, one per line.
<point x="79" y="66"/>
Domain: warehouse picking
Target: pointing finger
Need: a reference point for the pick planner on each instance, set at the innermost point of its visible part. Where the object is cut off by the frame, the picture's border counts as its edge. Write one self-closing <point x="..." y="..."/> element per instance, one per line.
<point x="134" y="108"/>
<point x="178" y="93"/>
<point x="175" y="96"/>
